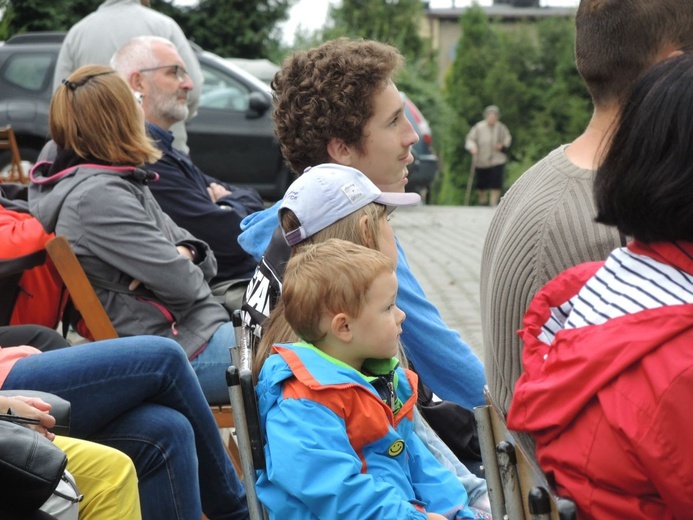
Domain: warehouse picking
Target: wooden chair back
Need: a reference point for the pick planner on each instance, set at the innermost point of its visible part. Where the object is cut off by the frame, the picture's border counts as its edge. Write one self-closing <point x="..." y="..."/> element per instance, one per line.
<point x="9" y="142"/>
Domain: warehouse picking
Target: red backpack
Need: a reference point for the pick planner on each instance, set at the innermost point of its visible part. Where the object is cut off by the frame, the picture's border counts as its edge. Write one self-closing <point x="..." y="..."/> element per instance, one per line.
<point x="41" y="295"/>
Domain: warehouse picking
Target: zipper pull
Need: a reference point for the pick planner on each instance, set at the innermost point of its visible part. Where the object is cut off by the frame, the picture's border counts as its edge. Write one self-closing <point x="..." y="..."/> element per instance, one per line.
<point x="391" y="388"/>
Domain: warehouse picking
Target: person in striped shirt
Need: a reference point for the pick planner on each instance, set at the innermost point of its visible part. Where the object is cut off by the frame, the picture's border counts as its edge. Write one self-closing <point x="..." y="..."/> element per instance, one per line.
<point x="608" y="351"/>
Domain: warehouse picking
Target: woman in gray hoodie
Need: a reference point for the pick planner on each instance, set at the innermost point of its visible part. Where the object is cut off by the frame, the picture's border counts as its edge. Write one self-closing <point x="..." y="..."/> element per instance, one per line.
<point x="150" y="275"/>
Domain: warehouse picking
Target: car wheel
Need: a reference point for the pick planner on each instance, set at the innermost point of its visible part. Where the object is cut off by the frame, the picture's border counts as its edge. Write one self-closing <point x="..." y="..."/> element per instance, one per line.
<point x="28" y="156"/>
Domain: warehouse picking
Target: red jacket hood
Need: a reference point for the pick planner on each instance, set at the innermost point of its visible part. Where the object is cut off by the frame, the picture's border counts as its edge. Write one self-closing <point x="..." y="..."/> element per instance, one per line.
<point x="561" y="378"/>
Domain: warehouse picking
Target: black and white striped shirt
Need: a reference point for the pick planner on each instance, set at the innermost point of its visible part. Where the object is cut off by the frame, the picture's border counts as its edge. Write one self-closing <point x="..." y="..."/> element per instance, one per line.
<point x="626" y="284"/>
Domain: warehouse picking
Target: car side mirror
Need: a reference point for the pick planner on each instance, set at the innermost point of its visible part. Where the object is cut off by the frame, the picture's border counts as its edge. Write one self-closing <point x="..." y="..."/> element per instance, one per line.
<point x="257" y="105"/>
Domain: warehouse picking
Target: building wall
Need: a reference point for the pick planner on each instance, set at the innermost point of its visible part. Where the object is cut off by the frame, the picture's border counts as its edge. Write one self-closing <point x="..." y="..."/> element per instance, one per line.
<point x="443" y="27"/>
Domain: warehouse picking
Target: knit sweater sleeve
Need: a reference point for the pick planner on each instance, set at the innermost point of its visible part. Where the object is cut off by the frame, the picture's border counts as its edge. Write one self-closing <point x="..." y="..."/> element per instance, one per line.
<point x="543" y="225"/>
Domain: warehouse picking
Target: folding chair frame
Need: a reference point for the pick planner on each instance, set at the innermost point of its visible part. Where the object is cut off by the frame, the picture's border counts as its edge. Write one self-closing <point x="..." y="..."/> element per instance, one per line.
<point x="244" y="403"/>
<point x="518" y="488"/>
<point x="9" y="142"/>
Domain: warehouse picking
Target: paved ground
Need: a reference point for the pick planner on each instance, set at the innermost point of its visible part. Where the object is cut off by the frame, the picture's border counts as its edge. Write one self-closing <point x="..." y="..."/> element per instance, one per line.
<point x="443" y="246"/>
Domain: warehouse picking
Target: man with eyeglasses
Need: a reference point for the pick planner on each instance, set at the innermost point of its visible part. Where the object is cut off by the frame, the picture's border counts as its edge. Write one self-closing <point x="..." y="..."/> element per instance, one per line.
<point x="94" y="39"/>
<point x="205" y="206"/>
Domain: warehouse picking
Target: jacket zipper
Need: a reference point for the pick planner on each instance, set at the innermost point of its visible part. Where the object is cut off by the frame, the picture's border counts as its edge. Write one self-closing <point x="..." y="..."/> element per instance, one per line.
<point x="167" y="314"/>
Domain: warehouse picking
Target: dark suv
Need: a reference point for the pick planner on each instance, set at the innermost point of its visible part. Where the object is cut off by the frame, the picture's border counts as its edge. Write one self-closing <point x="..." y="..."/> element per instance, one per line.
<point x="231" y="138"/>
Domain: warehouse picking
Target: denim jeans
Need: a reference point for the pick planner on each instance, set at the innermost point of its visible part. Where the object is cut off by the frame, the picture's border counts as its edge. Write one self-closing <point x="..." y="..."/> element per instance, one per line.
<point x="140" y="395"/>
<point x="211" y="364"/>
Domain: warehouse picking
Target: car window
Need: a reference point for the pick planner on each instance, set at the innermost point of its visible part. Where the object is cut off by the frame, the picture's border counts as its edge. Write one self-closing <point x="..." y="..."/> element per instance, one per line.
<point x="28" y="70"/>
<point x="222" y="91"/>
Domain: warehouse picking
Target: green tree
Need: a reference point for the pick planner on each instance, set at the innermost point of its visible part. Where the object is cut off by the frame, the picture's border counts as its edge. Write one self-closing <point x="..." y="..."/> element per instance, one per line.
<point x="38" y="15"/>
<point x="6" y="13"/>
<point x="527" y="70"/>
<point x="239" y="29"/>
<point x="391" y="21"/>
<point x="465" y="83"/>
<point x="227" y="27"/>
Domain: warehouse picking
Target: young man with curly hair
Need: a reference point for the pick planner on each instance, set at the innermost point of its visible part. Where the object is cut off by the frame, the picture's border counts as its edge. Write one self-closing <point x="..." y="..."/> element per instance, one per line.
<point x="337" y="103"/>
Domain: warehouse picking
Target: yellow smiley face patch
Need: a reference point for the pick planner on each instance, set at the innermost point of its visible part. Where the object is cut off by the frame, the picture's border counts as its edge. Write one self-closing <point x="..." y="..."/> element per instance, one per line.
<point x="395" y="448"/>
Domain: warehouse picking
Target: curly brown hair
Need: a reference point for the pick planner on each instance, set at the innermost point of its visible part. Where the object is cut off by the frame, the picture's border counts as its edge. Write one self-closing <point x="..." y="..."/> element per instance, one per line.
<point x="327" y="92"/>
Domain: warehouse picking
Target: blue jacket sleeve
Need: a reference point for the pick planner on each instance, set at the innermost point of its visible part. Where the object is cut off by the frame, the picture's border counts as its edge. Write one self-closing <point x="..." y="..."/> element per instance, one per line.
<point x="445" y="363"/>
<point x="257" y="230"/>
<point x="311" y="466"/>
<point x="183" y="196"/>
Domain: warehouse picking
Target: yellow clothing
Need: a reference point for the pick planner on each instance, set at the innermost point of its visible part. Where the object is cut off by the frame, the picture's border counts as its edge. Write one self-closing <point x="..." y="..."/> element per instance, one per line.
<point x="105" y="476"/>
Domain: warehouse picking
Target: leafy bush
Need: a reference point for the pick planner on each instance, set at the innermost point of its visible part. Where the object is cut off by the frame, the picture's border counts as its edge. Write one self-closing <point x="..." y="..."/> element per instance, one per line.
<point x="527" y="70"/>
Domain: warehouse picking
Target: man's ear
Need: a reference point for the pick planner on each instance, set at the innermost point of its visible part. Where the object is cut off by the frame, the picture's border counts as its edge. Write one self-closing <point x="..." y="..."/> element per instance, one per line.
<point x="135" y="81"/>
<point x="668" y="51"/>
<point x="340" y="327"/>
<point x="340" y="152"/>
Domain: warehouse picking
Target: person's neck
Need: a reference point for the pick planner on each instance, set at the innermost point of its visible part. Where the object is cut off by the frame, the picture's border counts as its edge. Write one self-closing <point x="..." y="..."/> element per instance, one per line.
<point x="164" y="125"/>
<point x="337" y="349"/>
<point x="588" y="149"/>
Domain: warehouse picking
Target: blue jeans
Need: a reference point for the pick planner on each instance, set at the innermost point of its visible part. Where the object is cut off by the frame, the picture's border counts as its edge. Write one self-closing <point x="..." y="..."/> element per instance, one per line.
<point x="141" y="396"/>
<point x="211" y="364"/>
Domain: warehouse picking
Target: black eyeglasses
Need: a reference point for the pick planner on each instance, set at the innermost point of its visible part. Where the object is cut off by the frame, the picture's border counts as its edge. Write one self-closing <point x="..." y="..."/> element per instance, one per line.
<point x="179" y="71"/>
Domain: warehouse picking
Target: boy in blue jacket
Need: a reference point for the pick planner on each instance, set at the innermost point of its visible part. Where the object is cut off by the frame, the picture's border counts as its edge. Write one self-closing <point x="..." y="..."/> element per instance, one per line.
<point x="337" y="409"/>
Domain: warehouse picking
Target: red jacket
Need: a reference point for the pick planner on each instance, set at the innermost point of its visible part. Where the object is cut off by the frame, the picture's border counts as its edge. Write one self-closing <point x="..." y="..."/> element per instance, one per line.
<point x="41" y="290"/>
<point x="609" y="405"/>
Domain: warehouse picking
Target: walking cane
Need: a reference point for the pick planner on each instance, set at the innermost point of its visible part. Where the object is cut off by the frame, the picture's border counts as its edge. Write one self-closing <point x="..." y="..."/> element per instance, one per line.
<point x="470" y="181"/>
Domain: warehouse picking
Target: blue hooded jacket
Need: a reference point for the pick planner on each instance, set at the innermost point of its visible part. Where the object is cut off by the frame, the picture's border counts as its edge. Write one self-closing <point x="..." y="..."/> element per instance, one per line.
<point x="334" y="449"/>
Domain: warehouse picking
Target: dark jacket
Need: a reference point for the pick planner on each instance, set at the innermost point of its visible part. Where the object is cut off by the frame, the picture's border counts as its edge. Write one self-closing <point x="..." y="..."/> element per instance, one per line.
<point x="182" y="193"/>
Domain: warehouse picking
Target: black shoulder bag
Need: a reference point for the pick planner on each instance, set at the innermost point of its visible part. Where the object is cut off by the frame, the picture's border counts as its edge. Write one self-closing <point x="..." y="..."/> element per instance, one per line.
<point x="31" y="466"/>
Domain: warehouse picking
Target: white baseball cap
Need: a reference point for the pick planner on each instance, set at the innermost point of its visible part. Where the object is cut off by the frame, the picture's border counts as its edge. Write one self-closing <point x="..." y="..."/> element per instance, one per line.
<point x="329" y="192"/>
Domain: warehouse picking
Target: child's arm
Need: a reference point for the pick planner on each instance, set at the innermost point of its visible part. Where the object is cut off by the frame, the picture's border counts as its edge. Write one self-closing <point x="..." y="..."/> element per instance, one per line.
<point x="310" y="459"/>
<point x="435" y="485"/>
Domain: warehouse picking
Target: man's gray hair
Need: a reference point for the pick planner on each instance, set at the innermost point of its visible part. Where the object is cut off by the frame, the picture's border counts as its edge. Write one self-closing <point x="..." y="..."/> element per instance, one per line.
<point x="137" y="54"/>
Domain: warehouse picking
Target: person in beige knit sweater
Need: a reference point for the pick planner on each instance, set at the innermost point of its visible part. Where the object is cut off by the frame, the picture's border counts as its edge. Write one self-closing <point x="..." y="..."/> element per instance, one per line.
<point x="545" y="222"/>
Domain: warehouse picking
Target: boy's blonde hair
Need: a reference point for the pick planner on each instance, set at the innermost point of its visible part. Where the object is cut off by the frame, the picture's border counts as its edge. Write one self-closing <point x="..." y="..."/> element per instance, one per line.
<point x="331" y="277"/>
